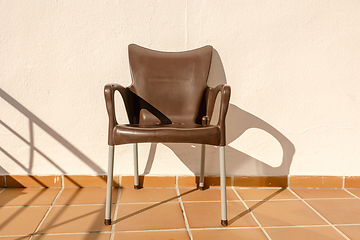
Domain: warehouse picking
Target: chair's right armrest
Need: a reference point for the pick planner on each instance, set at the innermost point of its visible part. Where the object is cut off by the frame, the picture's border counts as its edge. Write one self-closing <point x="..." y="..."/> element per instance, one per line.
<point x="211" y="95"/>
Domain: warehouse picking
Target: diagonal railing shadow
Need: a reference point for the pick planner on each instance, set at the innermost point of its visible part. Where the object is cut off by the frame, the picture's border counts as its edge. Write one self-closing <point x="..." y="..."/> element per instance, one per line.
<point x="261" y="202"/>
<point x="153" y="206"/>
<point x="37" y="121"/>
<point x="11" y="218"/>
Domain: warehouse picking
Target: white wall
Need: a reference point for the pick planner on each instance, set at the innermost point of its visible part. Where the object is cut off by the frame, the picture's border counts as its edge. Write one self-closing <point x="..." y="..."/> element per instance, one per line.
<point x="293" y="67"/>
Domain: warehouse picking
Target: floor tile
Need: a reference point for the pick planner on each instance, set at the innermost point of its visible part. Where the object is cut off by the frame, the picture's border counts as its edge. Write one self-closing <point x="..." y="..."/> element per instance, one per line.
<point x="149" y="181"/>
<point x="355" y="192"/>
<point x="316" y="181"/>
<point x="27" y="217"/>
<point x="2" y="181"/>
<point x="338" y="211"/>
<point x="148" y="195"/>
<point x="89" y="236"/>
<point x="352" y="232"/>
<point x="187" y="181"/>
<point x="210" y="194"/>
<point x="284" y="213"/>
<point x="73" y="219"/>
<point x="229" y="234"/>
<point x="308" y="233"/>
<point x="264" y="194"/>
<point x="158" y="235"/>
<point x="352" y="182"/>
<point x="261" y="181"/>
<point x="208" y="214"/>
<point x="77" y="196"/>
<point x="79" y="181"/>
<point x="28" y="196"/>
<point x="26" y="181"/>
<point x="322" y="193"/>
<point x="149" y="217"/>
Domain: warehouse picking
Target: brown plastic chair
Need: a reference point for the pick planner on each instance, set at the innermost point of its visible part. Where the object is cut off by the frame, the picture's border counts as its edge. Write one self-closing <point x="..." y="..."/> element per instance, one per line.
<point x="168" y="101"/>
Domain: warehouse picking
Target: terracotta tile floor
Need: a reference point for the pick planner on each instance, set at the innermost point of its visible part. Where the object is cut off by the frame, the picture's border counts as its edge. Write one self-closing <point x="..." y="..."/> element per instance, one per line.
<point x="179" y="213"/>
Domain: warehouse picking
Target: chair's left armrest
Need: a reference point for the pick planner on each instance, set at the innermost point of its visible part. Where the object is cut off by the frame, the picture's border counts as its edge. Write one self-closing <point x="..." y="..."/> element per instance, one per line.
<point x="109" y="91"/>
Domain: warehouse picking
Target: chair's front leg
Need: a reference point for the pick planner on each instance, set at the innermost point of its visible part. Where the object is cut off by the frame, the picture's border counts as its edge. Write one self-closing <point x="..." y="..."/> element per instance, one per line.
<point x="202" y="168"/>
<point x="136" y="167"/>
<point x="109" y="186"/>
<point x="224" y="221"/>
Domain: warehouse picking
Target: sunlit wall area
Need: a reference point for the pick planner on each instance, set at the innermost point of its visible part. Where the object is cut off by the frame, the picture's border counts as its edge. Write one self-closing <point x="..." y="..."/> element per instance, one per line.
<point x="293" y="68"/>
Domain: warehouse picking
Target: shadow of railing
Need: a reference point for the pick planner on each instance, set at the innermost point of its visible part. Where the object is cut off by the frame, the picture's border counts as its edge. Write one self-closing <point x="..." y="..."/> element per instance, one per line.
<point x="34" y="120"/>
<point x="252" y="208"/>
<point x="231" y="221"/>
<point x="153" y="206"/>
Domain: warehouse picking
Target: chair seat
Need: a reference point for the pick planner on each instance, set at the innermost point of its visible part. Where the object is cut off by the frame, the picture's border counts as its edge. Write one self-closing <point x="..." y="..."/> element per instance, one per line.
<point x="174" y="132"/>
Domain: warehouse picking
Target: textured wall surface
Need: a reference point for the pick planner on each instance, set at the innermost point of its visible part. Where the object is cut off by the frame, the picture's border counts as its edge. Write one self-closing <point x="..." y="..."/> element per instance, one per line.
<point x="293" y="67"/>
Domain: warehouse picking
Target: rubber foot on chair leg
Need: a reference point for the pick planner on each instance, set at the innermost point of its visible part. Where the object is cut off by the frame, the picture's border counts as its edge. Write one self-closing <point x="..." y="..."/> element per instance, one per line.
<point x="224" y="223"/>
<point x="107" y="221"/>
<point x="201" y="188"/>
<point x="137" y="187"/>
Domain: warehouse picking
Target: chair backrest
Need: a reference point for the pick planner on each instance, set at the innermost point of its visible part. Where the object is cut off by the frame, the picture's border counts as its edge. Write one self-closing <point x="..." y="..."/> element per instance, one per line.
<point x="172" y="82"/>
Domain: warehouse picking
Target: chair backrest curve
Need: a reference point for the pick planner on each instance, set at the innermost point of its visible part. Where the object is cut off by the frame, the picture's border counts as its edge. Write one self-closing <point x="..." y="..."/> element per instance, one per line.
<point x="172" y="82"/>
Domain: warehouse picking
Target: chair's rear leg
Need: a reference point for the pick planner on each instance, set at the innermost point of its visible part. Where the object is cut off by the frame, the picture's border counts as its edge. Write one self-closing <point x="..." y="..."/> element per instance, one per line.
<point x="109" y="186"/>
<point x="224" y="221"/>
<point x="136" y="167"/>
<point x="202" y="168"/>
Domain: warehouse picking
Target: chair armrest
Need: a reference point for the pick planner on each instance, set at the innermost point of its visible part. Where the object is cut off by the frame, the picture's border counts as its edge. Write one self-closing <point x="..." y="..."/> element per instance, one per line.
<point x="133" y="104"/>
<point x="211" y="95"/>
<point x="224" y="105"/>
<point x="109" y="92"/>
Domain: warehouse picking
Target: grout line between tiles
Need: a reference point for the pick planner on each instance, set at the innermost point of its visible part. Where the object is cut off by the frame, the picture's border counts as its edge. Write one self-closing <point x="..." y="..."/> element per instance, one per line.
<point x="24" y="206"/>
<point x="215" y="201"/>
<point x="13" y="236"/>
<point x="347" y="224"/>
<point x="65" y="205"/>
<point x="149" y="230"/>
<point x="224" y="228"/>
<point x="313" y="209"/>
<point x="251" y="214"/>
<point x="58" y="234"/>
<point x="115" y="214"/>
<point x="351" y="194"/>
<point x="267" y="188"/>
<point x="184" y="214"/>
<point x="47" y="213"/>
<point x="80" y="205"/>
<point x="312" y="199"/>
<point x="173" y="201"/>
<point x="272" y="200"/>
<point x="299" y="226"/>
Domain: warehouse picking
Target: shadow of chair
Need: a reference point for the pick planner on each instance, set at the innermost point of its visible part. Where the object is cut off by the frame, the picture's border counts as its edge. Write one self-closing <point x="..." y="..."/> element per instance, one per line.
<point x="169" y="101"/>
<point x="238" y="122"/>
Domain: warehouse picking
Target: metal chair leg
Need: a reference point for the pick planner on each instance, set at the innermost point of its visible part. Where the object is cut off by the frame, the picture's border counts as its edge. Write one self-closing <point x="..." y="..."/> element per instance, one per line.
<point x="202" y="168"/>
<point x="224" y="221"/>
<point x="109" y="186"/>
<point x="136" y="167"/>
